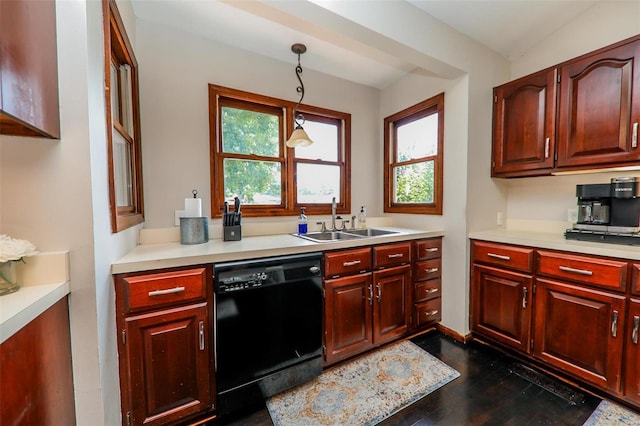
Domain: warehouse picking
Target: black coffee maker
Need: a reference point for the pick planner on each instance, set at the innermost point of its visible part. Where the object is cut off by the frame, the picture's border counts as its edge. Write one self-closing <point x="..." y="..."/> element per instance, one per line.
<point x="608" y="212"/>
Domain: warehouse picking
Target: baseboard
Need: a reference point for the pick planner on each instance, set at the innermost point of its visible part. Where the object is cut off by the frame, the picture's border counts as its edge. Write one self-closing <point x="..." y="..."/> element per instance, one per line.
<point x="462" y="338"/>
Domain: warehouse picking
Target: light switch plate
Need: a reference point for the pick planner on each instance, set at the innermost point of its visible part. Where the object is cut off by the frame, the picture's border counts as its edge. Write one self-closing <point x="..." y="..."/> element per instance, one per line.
<point x="177" y="215"/>
<point x="499" y="219"/>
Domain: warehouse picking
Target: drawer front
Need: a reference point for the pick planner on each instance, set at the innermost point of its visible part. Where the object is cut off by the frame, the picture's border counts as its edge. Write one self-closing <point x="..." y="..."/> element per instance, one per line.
<point x="609" y="274"/>
<point x="427" y="312"/>
<point x="426" y="290"/>
<point x="519" y="258"/>
<point x="391" y="255"/>
<point x="347" y="262"/>
<point x="428" y="249"/>
<point x="164" y="288"/>
<point x="427" y="269"/>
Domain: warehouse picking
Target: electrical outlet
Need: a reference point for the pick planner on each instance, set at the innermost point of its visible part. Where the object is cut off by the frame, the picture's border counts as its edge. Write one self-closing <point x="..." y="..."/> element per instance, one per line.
<point x="572" y="215"/>
<point x="177" y="214"/>
<point x="499" y="219"/>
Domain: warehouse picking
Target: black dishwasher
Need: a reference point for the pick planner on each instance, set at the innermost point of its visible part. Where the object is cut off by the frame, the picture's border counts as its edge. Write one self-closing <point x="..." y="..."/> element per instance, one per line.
<point x="268" y="331"/>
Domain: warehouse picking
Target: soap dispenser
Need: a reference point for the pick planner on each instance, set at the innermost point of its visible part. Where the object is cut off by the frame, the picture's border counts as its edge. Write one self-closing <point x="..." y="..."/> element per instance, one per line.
<point x="302" y="223"/>
<point x="362" y="218"/>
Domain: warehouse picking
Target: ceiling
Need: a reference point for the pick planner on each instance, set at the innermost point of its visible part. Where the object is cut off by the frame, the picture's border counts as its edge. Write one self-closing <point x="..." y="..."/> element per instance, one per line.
<point x="342" y="48"/>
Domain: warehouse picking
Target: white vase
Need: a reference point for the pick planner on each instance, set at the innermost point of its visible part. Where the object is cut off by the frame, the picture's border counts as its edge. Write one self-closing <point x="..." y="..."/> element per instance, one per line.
<point x="8" y="280"/>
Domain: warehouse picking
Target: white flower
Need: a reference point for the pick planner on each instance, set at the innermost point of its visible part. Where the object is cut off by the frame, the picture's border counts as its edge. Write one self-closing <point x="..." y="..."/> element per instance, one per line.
<point x="13" y="249"/>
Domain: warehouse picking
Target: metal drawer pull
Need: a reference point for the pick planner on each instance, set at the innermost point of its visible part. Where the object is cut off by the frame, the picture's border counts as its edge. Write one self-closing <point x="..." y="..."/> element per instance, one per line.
<point x="431" y="290"/>
<point x="201" y="335"/>
<point x="634" y="334"/>
<point x="431" y="249"/>
<point x="167" y="291"/>
<point x="392" y="256"/>
<point x="546" y="147"/>
<point x="431" y="270"/>
<point x="634" y="137"/>
<point x="431" y="313"/>
<point x="499" y="256"/>
<point x="352" y="263"/>
<point x="371" y="294"/>
<point x="379" y="292"/>
<point x="614" y="324"/>
<point x="575" y="271"/>
<point x="524" y="298"/>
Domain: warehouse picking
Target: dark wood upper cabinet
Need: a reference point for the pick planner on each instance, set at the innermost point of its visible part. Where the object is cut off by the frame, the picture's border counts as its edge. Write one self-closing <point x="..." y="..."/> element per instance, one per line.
<point x="581" y="114"/>
<point x="28" y="69"/>
<point x="524" y="124"/>
<point x="599" y="106"/>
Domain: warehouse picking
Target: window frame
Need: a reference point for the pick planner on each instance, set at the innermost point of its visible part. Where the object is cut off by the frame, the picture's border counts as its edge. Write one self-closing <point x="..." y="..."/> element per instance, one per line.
<point x="118" y="51"/>
<point x="223" y="96"/>
<point x="420" y="110"/>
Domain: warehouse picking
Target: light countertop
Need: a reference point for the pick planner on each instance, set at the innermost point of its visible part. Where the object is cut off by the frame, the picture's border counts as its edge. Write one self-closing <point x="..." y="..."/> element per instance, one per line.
<point x="167" y="255"/>
<point x="45" y="280"/>
<point x="556" y="241"/>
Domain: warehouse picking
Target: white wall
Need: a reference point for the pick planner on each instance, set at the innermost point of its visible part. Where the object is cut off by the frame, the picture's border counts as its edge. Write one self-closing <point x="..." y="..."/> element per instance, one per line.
<point x="175" y="69"/>
<point x="54" y="193"/>
<point x="549" y="198"/>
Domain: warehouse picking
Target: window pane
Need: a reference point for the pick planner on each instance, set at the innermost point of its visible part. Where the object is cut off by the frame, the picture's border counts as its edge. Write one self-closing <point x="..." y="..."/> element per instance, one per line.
<point x="127" y="98"/>
<point x="254" y="182"/>
<point x="115" y="93"/>
<point x="418" y="138"/>
<point x="414" y="183"/>
<point x="250" y="132"/>
<point x="318" y="183"/>
<point x="325" y="142"/>
<point x="122" y="170"/>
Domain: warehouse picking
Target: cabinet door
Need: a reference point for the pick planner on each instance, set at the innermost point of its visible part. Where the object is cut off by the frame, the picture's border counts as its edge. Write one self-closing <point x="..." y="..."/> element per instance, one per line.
<point x="599" y="107"/>
<point x="524" y="115"/>
<point x="348" y="316"/>
<point x="501" y="306"/>
<point x="391" y="308"/>
<point x="580" y="331"/>
<point x="168" y="364"/>
<point x="632" y="353"/>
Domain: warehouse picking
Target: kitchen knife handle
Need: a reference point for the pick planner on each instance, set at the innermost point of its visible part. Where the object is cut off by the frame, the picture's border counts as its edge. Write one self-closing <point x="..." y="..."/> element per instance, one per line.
<point x="614" y="324"/>
<point x="634" y="334"/>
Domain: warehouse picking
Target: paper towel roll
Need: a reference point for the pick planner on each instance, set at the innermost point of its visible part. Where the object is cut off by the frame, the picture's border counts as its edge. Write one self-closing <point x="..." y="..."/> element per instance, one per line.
<point x="192" y="207"/>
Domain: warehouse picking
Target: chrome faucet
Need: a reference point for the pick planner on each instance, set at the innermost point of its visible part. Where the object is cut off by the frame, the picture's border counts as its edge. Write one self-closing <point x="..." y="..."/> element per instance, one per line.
<point x="333" y="213"/>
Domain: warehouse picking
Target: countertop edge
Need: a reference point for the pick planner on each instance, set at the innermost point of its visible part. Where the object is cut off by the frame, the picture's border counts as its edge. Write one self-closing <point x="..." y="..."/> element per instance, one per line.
<point x="168" y="255"/>
<point x="554" y="241"/>
<point x="27" y="304"/>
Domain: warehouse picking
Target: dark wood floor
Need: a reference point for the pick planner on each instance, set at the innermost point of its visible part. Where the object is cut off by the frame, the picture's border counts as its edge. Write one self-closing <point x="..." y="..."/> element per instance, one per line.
<point x="486" y="393"/>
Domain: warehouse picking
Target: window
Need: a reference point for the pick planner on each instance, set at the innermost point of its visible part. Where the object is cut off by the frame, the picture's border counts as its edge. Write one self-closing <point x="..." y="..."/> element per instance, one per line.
<point x="413" y="149"/>
<point x="123" y="123"/>
<point x="249" y="158"/>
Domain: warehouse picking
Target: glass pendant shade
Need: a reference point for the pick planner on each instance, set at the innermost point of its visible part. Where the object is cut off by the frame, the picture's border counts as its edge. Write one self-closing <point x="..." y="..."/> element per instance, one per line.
<point x="299" y="138"/>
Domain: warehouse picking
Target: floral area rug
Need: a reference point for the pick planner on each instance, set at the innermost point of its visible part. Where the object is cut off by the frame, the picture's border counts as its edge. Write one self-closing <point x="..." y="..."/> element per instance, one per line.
<point x="609" y="414"/>
<point x="364" y="391"/>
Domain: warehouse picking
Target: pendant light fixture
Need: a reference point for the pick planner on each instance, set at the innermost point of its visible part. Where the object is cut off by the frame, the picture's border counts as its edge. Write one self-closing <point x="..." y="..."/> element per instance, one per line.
<point x="299" y="137"/>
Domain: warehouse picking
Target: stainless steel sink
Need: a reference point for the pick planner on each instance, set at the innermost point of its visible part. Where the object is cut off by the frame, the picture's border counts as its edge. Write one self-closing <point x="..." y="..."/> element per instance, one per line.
<point x="369" y="232"/>
<point x="348" y="234"/>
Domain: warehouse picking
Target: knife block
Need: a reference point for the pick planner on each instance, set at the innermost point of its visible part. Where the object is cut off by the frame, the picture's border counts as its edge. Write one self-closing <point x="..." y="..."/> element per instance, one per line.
<point x="232" y="233"/>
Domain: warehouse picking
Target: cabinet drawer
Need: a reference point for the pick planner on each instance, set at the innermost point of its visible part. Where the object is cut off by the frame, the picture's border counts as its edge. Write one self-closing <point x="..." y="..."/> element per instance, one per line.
<point x="519" y="258"/>
<point x="591" y="270"/>
<point x="164" y="288"/>
<point x="391" y="255"/>
<point x="427" y="312"/>
<point x="426" y="290"/>
<point x="347" y="262"/>
<point x="427" y="269"/>
<point x="428" y="249"/>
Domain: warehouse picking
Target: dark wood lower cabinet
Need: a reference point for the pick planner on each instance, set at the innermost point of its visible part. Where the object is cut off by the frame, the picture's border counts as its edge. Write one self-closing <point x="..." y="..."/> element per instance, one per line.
<point x="168" y="364"/>
<point x="391" y="309"/>
<point x="37" y="383"/>
<point x="501" y="306"/>
<point x="580" y="331"/>
<point x="348" y="316"/>
<point x="632" y="353"/>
